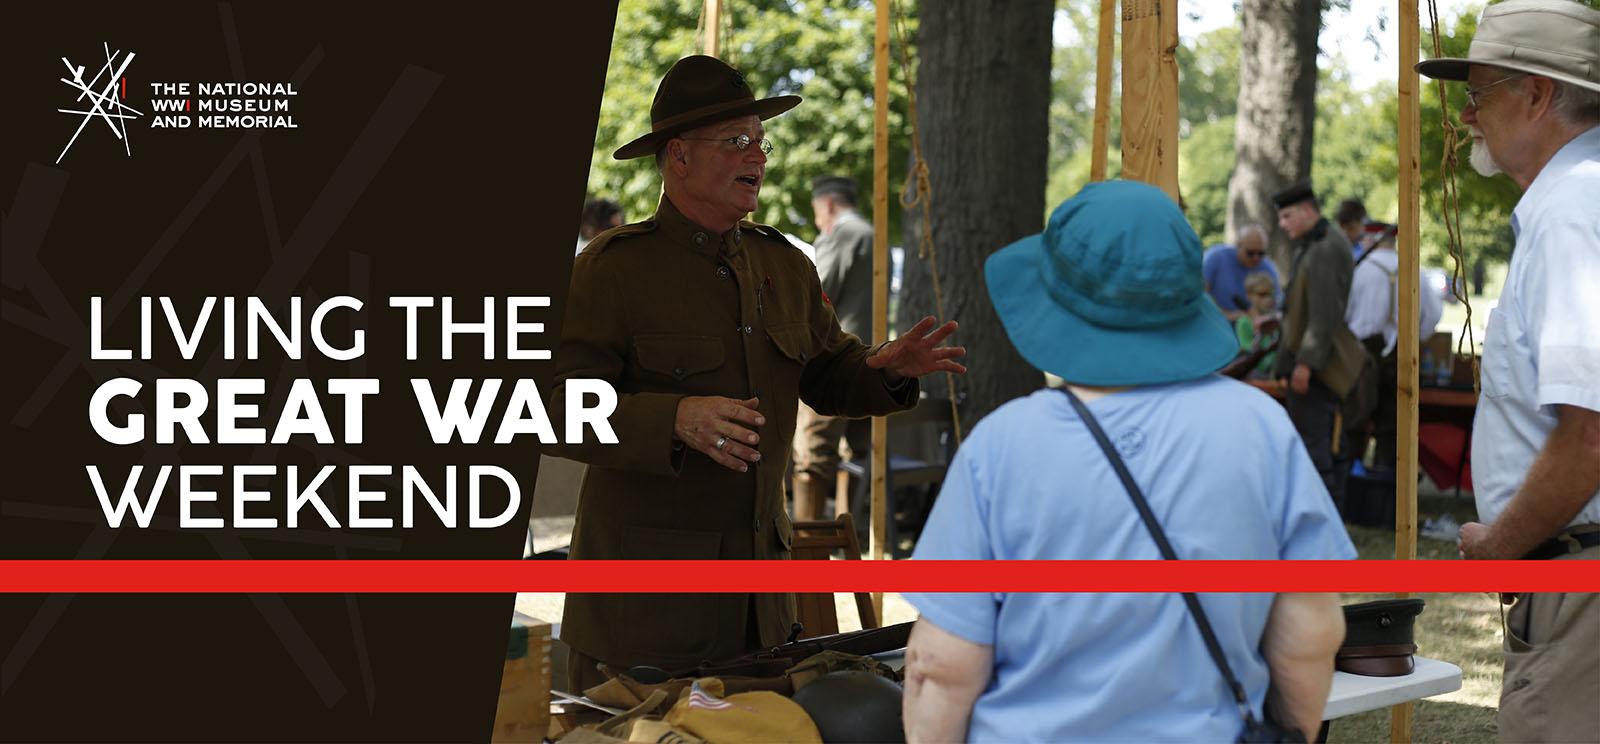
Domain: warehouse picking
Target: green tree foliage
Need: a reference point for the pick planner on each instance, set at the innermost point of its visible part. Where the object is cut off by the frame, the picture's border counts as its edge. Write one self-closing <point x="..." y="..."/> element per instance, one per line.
<point x="1485" y="203"/>
<point x="818" y="49"/>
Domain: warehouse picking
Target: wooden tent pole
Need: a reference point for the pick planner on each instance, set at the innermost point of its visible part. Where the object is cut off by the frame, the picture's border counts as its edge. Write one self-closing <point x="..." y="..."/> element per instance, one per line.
<point x="880" y="272"/>
<point x="1150" y="93"/>
<point x="712" y="14"/>
<point x="1102" y="87"/>
<point x="1405" y="496"/>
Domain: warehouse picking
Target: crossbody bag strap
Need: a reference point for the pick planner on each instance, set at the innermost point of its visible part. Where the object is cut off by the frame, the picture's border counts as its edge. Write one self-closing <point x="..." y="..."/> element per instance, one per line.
<point x="1150" y="523"/>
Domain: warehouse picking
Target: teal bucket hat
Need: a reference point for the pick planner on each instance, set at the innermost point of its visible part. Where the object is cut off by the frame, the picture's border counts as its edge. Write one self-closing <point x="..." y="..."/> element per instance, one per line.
<point x="1111" y="292"/>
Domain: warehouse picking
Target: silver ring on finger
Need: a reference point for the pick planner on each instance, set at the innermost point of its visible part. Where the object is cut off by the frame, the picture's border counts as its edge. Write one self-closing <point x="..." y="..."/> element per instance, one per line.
<point x="721" y="442"/>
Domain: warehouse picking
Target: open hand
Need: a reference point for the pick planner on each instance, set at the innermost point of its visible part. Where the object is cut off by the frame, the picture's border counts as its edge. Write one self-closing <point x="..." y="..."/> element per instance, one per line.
<point x="917" y="352"/>
<point x="722" y="428"/>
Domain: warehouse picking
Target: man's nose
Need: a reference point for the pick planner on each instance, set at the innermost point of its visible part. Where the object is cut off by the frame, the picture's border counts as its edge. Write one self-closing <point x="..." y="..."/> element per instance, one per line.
<point x="753" y="154"/>
<point x="1469" y="114"/>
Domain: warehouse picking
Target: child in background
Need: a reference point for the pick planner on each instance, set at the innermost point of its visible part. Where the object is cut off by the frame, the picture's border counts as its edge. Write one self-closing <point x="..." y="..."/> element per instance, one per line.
<point x="1258" y="328"/>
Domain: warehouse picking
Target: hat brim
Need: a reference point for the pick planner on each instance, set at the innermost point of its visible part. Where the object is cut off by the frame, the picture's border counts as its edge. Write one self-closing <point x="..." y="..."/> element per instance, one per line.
<point x="1071" y="347"/>
<point x="1456" y="69"/>
<point x="766" y="108"/>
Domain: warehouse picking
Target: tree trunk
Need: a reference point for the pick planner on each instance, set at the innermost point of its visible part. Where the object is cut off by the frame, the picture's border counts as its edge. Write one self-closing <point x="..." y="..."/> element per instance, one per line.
<point x="1277" y="110"/>
<point x="983" y="98"/>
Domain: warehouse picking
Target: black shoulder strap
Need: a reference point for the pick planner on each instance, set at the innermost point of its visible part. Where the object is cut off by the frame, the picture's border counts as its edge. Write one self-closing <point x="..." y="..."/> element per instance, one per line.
<point x="1150" y="523"/>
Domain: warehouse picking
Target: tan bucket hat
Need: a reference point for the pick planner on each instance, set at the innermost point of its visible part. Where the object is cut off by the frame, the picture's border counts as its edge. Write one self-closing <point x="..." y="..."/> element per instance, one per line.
<point x="1557" y="39"/>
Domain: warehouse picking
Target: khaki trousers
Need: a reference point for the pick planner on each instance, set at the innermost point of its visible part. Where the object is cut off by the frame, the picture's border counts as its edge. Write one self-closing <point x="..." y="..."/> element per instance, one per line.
<point x="1551" y="688"/>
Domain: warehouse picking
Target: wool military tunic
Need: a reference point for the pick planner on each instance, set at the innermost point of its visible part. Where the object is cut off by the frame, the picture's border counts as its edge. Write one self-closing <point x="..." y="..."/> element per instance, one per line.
<point x="664" y="309"/>
<point x="1314" y="331"/>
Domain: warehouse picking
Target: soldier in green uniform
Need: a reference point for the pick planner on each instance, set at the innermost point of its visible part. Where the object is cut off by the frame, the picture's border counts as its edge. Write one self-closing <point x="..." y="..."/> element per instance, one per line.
<point x="1319" y="355"/>
<point x="711" y="328"/>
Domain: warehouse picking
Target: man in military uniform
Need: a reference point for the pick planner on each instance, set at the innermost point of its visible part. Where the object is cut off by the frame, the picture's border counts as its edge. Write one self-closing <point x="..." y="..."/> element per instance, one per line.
<point x="1320" y="357"/>
<point x="844" y="264"/>
<point x="710" y="328"/>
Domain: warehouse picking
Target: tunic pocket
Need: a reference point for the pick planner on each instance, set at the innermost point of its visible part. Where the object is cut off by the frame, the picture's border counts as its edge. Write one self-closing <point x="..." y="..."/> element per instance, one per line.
<point x="793" y="340"/>
<point x="677" y="356"/>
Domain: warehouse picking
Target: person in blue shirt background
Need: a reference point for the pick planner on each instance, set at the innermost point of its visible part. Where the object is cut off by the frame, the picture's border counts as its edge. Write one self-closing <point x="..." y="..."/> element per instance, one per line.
<point x="1226" y="266"/>
<point x="1109" y="298"/>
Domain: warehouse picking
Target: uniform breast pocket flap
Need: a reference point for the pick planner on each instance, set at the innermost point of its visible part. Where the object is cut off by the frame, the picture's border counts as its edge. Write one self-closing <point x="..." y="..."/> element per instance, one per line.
<point x="793" y="339"/>
<point x="678" y="356"/>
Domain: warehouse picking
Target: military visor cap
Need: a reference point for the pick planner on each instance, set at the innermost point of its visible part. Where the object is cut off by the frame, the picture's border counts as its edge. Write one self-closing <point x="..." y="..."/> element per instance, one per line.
<point x="1557" y="39"/>
<point x="697" y="91"/>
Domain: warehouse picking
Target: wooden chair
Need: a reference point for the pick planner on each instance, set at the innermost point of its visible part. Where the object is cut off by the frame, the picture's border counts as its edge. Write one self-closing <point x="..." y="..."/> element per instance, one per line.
<point x="817" y="541"/>
<point x="921" y="444"/>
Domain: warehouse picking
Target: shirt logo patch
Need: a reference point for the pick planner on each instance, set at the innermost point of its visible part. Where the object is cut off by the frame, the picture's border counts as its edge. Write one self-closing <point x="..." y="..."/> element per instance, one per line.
<point x="1130" y="442"/>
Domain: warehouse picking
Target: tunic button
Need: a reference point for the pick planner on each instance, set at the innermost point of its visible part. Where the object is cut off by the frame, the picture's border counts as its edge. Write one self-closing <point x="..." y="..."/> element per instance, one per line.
<point x="758" y="525"/>
<point x="722" y="271"/>
<point x="747" y="330"/>
<point x="699" y="238"/>
<point x="677" y="371"/>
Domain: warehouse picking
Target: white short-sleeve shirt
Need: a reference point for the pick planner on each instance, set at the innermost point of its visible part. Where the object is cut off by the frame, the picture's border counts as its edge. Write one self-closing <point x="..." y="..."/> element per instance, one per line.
<point x="1542" y="348"/>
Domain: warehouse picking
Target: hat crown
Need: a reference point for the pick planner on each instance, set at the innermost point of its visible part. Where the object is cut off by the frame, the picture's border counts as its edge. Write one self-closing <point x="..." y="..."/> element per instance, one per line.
<point x="1561" y="36"/>
<point x="698" y="82"/>
<point x="1120" y="254"/>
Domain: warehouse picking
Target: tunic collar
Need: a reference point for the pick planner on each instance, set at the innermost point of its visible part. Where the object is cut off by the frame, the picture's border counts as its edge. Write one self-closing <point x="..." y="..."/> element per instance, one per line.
<point x="685" y="232"/>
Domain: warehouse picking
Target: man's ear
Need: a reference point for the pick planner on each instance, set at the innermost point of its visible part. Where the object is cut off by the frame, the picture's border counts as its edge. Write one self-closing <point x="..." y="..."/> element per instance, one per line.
<point x="1543" y="91"/>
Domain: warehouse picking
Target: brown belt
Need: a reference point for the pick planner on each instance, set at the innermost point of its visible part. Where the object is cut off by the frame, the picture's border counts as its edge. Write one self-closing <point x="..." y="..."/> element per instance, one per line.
<point x="1391" y="660"/>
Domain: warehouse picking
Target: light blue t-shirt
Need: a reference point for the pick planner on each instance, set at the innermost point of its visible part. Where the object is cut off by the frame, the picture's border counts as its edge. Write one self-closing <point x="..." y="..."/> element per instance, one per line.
<point x="1227" y="477"/>
<point x="1225" y="277"/>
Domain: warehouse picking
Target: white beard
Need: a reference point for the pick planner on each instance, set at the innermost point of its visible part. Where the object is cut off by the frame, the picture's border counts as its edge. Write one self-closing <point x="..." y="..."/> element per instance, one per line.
<point x="1482" y="161"/>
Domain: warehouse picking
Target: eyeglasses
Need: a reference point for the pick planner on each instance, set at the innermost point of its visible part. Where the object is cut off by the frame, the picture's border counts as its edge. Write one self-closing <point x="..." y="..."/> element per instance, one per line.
<point x="1473" y="94"/>
<point x="1255" y="254"/>
<point x="740" y="143"/>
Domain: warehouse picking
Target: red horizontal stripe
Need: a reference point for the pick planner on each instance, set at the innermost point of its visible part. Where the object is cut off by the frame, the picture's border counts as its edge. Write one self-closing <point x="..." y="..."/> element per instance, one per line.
<point x="443" y="576"/>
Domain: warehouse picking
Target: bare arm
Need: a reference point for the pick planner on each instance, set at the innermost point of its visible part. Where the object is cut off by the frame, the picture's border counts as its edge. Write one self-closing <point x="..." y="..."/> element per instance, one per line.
<point x="1563" y="478"/>
<point x="1303" y="633"/>
<point x="944" y="676"/>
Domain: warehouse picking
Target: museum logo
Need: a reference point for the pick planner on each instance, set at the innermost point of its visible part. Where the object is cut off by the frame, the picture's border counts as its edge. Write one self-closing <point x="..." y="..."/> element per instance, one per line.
<point x="104" y="102"/>
<point x="185" y="104"/>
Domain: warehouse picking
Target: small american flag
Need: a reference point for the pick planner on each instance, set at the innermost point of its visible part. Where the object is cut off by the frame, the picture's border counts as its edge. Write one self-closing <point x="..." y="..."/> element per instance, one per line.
<point x="699" y="698"/>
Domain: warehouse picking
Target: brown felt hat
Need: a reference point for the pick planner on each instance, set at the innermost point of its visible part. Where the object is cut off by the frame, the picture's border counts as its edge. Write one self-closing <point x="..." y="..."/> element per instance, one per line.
<point x="1557" y="39"/>
<point x="700" y="90"/>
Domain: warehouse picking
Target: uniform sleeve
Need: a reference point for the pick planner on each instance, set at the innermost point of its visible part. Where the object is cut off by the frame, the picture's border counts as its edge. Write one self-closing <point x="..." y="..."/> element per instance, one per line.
<point x="957" y="529"/>
<point x="594" y="345"/>
<point x="1327" y="293"/>
<point x="1309" y="527"/>
<point x="837" y="381"/>
<point x="1562" y="309"/>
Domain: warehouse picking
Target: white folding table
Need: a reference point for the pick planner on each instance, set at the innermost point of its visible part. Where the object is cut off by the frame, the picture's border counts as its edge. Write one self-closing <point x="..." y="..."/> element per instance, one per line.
<point x="1352" y="693"/>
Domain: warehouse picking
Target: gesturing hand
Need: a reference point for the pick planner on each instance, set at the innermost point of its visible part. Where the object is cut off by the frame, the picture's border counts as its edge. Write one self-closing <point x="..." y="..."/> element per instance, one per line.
<point x="917" y="352"/>
<point x="722" y="428"/>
